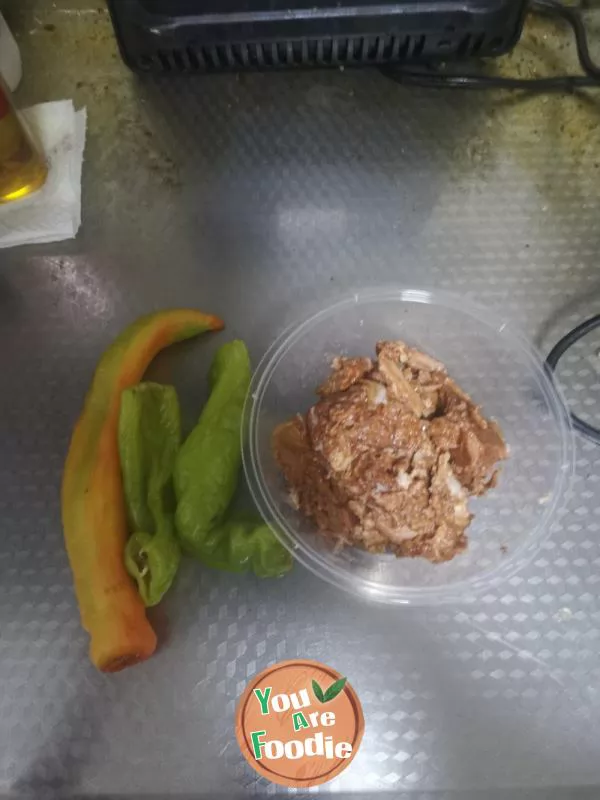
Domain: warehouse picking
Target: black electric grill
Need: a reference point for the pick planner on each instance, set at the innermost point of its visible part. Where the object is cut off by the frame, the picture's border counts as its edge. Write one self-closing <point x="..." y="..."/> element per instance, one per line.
<point x="218" y="35"/>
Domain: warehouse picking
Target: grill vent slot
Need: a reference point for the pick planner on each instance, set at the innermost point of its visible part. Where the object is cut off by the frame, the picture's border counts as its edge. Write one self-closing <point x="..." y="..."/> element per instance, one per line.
<point x="342" y="51"/>
<point x="308" y="52"/>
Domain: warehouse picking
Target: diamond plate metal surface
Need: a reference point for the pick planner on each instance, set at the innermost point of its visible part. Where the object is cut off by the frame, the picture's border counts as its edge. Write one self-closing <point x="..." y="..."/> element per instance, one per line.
<point x="250" y="197"/>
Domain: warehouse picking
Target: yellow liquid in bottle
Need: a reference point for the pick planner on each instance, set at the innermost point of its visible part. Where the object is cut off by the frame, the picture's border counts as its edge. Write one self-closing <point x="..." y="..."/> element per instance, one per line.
<point x="23" y="170"/>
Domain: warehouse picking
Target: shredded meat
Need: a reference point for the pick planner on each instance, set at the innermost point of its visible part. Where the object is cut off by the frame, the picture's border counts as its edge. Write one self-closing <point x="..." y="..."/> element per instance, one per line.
<point x="388" y="457"/>
<point x="346" y="372"/>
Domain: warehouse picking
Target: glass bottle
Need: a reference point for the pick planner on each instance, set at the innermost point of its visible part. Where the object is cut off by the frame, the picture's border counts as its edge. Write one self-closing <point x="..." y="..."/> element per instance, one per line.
<point x="23" y="169"/>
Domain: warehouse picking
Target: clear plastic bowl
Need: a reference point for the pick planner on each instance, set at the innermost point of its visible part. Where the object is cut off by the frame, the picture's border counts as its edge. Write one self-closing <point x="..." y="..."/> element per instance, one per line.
<point x="499" y="369"/>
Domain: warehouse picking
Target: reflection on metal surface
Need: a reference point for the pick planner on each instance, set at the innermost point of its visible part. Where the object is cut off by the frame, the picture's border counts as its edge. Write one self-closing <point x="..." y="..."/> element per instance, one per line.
<point x="308" y="220"/>
<point x="79" y="285"/>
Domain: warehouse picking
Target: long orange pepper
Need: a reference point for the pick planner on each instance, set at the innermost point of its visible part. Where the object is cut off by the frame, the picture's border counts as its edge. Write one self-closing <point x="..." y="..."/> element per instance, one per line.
<point x="93" y="507"/>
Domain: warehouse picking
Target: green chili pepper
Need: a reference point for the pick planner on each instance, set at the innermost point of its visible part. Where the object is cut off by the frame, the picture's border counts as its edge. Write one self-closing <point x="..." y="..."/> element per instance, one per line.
<point x="245" y="542"/>
<point x="208" y="464"/>
<point x="206" y="476"/>
<point x="149" y="439"/>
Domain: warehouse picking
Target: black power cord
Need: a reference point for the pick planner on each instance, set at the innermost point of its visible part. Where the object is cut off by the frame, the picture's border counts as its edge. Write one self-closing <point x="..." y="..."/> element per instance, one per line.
<point x="436" y="79"/>
<point x="557" y="353"/>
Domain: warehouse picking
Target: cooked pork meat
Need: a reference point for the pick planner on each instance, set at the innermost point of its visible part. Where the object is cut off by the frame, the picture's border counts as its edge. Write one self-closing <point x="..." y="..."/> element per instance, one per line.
<point x="388" y="457"/>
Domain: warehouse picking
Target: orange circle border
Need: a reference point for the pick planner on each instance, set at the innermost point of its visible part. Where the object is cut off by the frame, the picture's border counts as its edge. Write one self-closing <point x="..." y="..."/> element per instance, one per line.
<point x="274" y="777"/>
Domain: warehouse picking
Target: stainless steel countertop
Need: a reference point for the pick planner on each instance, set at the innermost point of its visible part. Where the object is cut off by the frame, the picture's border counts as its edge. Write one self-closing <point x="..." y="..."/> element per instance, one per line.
<point x="250" y="197"/>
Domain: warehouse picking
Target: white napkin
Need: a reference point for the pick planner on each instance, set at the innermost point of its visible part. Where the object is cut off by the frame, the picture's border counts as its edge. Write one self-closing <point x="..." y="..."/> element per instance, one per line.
<point x="54" y="212"/>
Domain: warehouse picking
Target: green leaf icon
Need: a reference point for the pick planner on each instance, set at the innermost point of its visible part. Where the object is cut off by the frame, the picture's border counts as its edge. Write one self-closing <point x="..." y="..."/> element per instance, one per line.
<point x="334" y="689"/>
<point x="318" y="692"/>
<point x="331" y="693"/>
